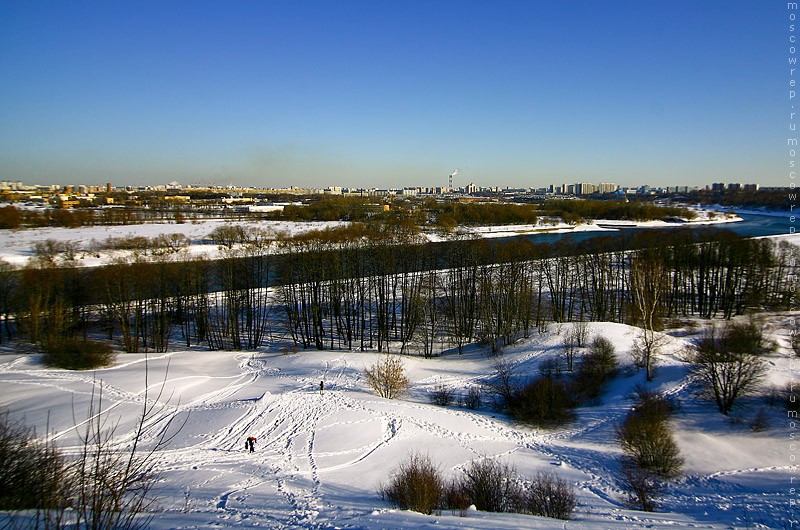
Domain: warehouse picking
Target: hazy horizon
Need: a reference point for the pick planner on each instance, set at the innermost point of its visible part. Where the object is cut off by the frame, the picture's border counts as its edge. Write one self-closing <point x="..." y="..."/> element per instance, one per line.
<point x="374" y="94"/>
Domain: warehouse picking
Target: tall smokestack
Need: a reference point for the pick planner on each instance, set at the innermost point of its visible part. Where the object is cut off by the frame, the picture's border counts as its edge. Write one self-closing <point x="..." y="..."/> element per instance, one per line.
<point x="454" y="173"/>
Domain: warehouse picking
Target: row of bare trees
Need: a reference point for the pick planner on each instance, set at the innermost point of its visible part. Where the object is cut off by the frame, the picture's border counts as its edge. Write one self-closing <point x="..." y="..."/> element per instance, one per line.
<point x="396" y="292"/>
<point x="145" y="302"/>
<point x="362" y="288"/>
<point x="399" y="294"/>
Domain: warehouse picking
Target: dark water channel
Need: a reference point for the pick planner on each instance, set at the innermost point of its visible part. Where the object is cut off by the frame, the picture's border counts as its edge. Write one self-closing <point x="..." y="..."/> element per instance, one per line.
<point x="750" y="226"/>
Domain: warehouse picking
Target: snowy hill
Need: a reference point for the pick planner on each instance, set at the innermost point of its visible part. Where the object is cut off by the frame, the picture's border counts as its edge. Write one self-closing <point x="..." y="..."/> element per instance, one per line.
<point x="320" y="457"/>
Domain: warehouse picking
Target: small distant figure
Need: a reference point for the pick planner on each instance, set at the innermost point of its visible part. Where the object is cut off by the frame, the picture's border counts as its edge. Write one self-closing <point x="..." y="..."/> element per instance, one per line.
<point x="321" y="387"/>
<point x="250" y="443"/>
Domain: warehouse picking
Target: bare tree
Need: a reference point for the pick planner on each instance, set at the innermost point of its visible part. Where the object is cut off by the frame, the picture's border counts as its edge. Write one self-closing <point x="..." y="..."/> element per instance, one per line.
<point x="113" y="483"/>
<point x="459" y="288"/>
<point x="431" y="311"/>
<point x="228" y="236"/>
<point x="568" y="351"/>
<point x="573" y="341"/>
<point x="645" y="349"/>
<point x="648" y="279"/>
<point x="8" y="288"/>
<point x="642" y="485"/>
<point x="503" y="385"/>
<point x="125" y="285"/>
<point x="580" y="333"/>
<point x="725" y="366"/>
<point x="107" y="485"/>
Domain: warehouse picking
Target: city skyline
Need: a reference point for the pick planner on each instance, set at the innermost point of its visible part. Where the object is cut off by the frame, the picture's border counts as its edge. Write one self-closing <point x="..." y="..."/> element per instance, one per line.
<point x="366" y="94"/>
<point x="573" y="189"/>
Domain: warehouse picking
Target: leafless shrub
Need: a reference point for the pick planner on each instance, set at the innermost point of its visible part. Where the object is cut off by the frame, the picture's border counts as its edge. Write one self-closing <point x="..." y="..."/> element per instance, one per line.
<point x="545" y="402"/>
<point x="104" y="486"/>
<point x="456" y="499"/>
<point x="746" y="337"/>
<point x="597" y="366"/>
<point x="647" y="346"/>
<point x="548" y="496"/>
<point x="113" y="484"/>
<point x="550" y="368"/>
<point x="473" y="398"/>
<point x="387" y="377"/>
<point x="760" y="421"/>
<point x="71" y="251"/>
<point x="287" y="349"/>
<point x="502" y="385"/>
<point x="137" y="243"/>
<point x="417" y="485"/>
<point x="228" y="235"/>
<point x="78" y="354"/>
<point x="46" y="252"/>
<point x="651" y="455"/>
<point x="490" y="485"/>
<point x="35" y="475"/>
<point x="170" y="243"/>
<point x="646" y="438"/>
<point x="773" y="395"/>
<point x="442" y="395"/>
<point x="494" y="487"/>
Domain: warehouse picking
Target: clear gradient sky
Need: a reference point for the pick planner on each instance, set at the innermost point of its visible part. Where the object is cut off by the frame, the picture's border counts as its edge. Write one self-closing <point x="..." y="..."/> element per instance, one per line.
<point x="380" y="93"/>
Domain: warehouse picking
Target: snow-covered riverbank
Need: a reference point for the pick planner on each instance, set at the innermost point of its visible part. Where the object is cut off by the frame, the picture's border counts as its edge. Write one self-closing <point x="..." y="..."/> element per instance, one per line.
<point x="17" y="246"/>
<point x="703" y="217"/>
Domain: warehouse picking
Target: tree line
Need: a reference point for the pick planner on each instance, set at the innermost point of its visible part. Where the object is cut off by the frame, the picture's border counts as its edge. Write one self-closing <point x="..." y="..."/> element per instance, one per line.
<point x="578" y="210"/>
<point x="359" y="288"/>
<point x="407" y="213"/>
<point x="12" y="217"/>
<point x="451" y="213"/>
<point x="774" y="199"/>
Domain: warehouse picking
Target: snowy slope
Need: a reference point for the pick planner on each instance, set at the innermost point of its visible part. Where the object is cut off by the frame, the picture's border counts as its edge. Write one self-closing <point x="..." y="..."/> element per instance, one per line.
<point x="320" y="458"/>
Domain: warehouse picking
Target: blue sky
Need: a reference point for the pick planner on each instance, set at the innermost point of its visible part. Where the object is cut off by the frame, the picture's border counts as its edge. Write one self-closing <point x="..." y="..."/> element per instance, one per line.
<point x="383" y="93"/>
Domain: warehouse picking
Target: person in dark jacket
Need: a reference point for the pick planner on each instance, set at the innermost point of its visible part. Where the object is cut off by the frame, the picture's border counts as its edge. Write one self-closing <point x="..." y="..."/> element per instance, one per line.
<point x="250" y="443"/>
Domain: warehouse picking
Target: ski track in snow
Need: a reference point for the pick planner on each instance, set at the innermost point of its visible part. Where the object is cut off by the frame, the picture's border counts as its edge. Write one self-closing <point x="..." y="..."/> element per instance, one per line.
<point x="281" y="485"/>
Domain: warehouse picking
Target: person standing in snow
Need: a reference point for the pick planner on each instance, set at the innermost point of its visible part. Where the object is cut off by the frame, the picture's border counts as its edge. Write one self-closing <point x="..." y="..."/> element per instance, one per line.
<point x="250" y="443"/>
<point x="321" y="387"/>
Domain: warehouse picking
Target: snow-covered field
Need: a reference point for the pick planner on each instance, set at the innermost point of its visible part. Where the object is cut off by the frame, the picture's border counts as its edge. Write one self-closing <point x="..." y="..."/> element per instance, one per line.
<point x="17" y="246"/>
<point x="320" y="457"/>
